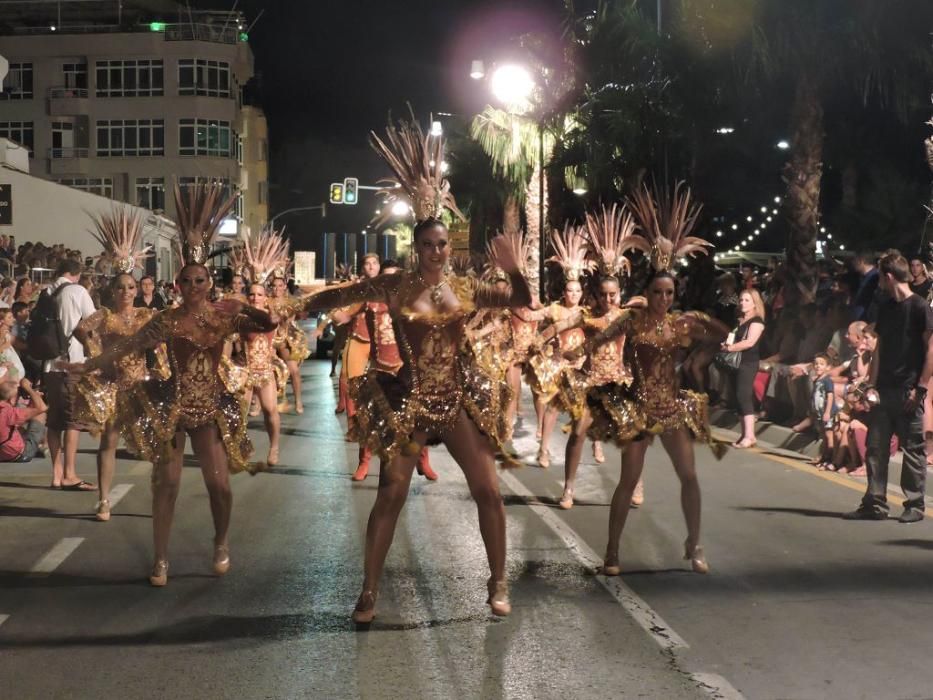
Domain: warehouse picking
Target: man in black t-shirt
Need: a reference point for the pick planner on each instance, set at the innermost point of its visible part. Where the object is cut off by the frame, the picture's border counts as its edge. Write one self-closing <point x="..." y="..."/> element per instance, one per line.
<point x="900" y="372"/>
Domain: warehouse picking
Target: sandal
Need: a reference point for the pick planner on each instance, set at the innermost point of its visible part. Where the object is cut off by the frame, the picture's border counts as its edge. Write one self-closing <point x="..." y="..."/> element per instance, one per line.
<point x="79" y="486"/>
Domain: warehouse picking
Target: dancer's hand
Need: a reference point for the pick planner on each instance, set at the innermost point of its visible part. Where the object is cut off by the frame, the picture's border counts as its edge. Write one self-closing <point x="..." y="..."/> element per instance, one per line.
<point x="228" y="307"/>
<point x="78" y="369"/>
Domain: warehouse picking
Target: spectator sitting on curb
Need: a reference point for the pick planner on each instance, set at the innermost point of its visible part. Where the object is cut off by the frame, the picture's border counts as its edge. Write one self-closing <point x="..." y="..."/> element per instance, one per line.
<point x="21" y="429"/>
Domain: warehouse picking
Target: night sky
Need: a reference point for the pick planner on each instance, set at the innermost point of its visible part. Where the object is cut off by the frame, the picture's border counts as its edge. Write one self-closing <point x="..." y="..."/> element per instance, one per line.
<point x="331" y="71"/>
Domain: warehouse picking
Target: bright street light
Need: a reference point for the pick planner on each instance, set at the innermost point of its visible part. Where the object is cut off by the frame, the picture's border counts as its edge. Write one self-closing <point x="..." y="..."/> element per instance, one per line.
<point x="783" y="145"/>
<point x="477" y="70"/>
<point x="437" y="129"/>
<point x="725" y="130"/>
<point x="579" y="187"/>
<point x="512" y="85"/>
<point x="400" y="209"/>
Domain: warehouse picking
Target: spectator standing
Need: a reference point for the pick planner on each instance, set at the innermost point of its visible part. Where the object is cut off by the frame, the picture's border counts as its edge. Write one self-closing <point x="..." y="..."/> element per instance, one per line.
<point x="747" y="337"/>
<point x="823" y="408"/>
<point x="148" y="297"/>
<point x="73" y="304"/>
<point x="920" y="282"/>
<point x="900" y="372"/>
<point x="864" y="303"/>
<point x="21" y="429"/>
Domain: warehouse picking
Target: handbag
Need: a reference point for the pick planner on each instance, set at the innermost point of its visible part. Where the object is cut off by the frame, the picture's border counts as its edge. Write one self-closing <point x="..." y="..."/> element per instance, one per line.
<point x="729" y="360"/>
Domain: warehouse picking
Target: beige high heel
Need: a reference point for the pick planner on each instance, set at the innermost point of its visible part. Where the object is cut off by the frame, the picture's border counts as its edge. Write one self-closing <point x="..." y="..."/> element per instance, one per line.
<point x="610" y="569"/>
<point x="498" y="600"/>
<point x="598" y="455"/>
<point x="638" y="496"/>
<point x="697" y="558"/>
<point x="159" y="575"/>
<point x="544" y="458"/>
<point x="273" y="457"/>
<point x="299" y="408"/>
<point x="566" y="500"/>
<point x="365" y="610"/>
<point x="221" y="559"/>
<point x="103" y="511"/>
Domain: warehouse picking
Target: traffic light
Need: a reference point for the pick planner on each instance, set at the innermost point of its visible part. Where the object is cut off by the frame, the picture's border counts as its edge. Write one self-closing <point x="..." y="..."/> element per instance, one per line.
<point x="336" y="193"/>
<point x="350" y="186"/>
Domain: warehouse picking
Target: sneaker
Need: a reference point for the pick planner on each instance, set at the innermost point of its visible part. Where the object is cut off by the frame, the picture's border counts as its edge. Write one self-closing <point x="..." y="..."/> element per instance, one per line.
<point x="911" y="515"/>
<point x="861" y="513"/>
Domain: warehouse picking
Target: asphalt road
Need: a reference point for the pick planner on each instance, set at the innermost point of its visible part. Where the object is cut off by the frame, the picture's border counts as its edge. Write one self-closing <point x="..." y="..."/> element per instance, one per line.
<point x="799" y="603"/>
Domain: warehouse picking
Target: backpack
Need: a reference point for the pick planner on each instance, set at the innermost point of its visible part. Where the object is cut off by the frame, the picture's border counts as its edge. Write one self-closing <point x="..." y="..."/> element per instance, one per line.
<point x="46" y="339"/>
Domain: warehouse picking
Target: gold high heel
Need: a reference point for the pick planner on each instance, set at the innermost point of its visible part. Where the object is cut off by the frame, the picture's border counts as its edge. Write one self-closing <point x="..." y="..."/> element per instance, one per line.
<point x="610" y="569"/>
<point x="365" y="609"/>
<point x="598" y="456"/>
<point x="159" y="575"/>
<point x="221" y="559"/>
<point x="498" y="600"/>
<point x="697" y="558"/>
<point x="566" y="500"/>
<point x="103" y="510"/>
<point x="638" y="496"/>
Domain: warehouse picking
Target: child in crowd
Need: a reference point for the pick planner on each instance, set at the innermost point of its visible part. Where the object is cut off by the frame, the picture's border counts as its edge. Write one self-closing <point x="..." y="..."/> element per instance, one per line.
<point x="823" y="407"/>
<point x="22" y="430"/>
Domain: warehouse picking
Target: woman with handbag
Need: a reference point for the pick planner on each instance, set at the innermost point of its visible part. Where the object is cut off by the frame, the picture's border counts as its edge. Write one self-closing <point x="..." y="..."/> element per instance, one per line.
<point x="751" y="318"/>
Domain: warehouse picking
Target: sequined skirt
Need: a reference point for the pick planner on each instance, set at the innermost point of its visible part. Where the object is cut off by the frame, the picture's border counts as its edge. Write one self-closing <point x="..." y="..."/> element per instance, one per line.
<point x="293" y="342"/>
<point x="389" y="411"/>
<point x="543" y="373"/>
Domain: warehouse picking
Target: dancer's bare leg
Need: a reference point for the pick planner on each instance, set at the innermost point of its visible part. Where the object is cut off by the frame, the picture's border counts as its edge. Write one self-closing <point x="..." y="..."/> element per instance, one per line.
<point x="633" y="461"/>
<point x="209" y="449"/>
<point x="550" y="420"/>
<point x="540" y="410"/>
<point x="166" y="478"/>
<point x="295" y="374"/>
<point x="679" y="446"/>
<point x="268" y="402"/>
<point x="514" y="378"/>
<point x="106" y="460"/>
<point x="573" y="455"/>
<point x="473" y="453"/>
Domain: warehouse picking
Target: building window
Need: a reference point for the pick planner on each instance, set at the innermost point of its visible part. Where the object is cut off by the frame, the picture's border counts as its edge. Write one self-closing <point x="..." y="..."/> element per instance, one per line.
<point x="201" y="77"/>
<point x="238" y="207"/>
<point x="18" y="83"/>
<point x="20" y="132"/>
<point x="102" y="186"/>
<point x="263" y="150"/>
<point x="264" y="192"/>
<point x="75" y="75"/>
<point x="150" y="192"/>
<point x="130" y="137"/>
<point x="239" y="149"/>
<point x="202" y="137"/>
<point x="142" y="78"/>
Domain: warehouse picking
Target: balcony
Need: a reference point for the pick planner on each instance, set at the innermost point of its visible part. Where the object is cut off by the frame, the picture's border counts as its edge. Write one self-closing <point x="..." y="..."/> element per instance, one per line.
<point x="69" y="161"/>
<point x="68" y="102"/>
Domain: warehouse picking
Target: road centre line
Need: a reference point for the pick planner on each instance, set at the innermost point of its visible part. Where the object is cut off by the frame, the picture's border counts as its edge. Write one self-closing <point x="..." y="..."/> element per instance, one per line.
<point x="3" y="618"/>
<point x="717" y="686"/>
<point x="638" y="609"/>
<point x="118" y="492"/>
<point x="55" y="556"/>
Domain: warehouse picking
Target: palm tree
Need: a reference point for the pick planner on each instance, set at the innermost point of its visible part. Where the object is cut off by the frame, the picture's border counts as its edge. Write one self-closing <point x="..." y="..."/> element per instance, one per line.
<point x="512" y="143"/>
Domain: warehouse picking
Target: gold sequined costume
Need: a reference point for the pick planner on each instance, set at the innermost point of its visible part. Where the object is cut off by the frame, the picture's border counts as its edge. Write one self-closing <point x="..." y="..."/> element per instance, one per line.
<point x="547" y="366"/>
<point x="288" y="336"/>
<point x="440" y="375"/>
<point x="263" y="365"/>
<point x="105" y="397"/>
<point x="195" y="394"/>
<point x="654" y="399"/>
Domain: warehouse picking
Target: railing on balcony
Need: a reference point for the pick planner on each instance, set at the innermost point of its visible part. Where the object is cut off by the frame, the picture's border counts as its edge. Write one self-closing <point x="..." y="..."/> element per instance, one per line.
<point x="65" y="92"/>
<point x="66" y="153"/>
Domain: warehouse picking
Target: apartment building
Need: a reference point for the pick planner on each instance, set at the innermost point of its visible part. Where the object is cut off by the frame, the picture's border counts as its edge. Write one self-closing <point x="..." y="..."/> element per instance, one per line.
<point x="122" y="99"/>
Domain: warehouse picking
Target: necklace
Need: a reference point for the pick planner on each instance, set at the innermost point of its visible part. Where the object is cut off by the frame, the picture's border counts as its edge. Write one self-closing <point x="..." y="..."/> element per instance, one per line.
<point x="201" y="319"/>
<point x="659" y="327"/>
<point x="436" y="291"/>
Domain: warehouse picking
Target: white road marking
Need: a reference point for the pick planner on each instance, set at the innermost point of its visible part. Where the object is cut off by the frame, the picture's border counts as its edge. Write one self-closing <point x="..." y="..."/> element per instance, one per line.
<point x="4" y="618"/>
<point x="641" y="612"/>
<point x="717" y="686"/>
<point x="118" y="492"/>
<point x="53" y="559"/>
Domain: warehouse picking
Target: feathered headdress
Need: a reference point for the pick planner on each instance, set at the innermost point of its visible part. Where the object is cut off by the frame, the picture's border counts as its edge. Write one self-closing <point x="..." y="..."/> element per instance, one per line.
<point x="570" y="252"/>
<point x="462" y="265"/>
<point x="201" y="209"/>
<point x="667" y="218"/>
<point x="417" y="161"/>
<point x="121" y="234"/>
<point x="237" y="257"/>
<point x="611" y="232"/>
<point x="266" y="254"/>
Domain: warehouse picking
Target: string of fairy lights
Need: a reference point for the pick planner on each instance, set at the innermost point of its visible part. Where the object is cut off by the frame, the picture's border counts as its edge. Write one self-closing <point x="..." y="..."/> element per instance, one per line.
<point x="756" y="224"/>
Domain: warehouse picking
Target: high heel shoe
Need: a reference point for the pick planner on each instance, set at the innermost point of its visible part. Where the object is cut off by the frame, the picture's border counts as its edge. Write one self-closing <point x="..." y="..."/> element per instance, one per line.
<point x="498" y="600"/>
<point x="697" y="558"/>
<point x="103" y="510"/>
<point x="610" y="569"/>
<point x="273" y="457"/>
<point x="638" y="496"/>
<point x="221" y="559"/>
<point x="365" y="609"/>
<point x="566" y="500"/>
<point x="598" y="456"/>
<point x="299" y="408"/>
<point x="544" y="458"/>
<point x="159" y="575"/>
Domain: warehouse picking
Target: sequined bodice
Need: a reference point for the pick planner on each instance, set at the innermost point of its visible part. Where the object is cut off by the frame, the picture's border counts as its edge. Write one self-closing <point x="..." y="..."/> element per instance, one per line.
<point x="259" y="351"/>
<point x="607" y="363"/>
<point x="654" y="349"/>
<point x="523" y="334"/>
<point x="130" y="367"/>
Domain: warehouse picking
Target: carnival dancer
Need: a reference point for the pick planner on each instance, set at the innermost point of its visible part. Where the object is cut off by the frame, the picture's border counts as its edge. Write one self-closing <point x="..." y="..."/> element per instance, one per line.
<point x="610" y="235"/>
<point x="104" y="401"/>
<point x="194" y="401"/>
<point x="290" y="341"/>
<point x="264" y="254"/>
<point x="548" y="363"/>
<point x="655" y="336"/>
<point x="441" y="394"/>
